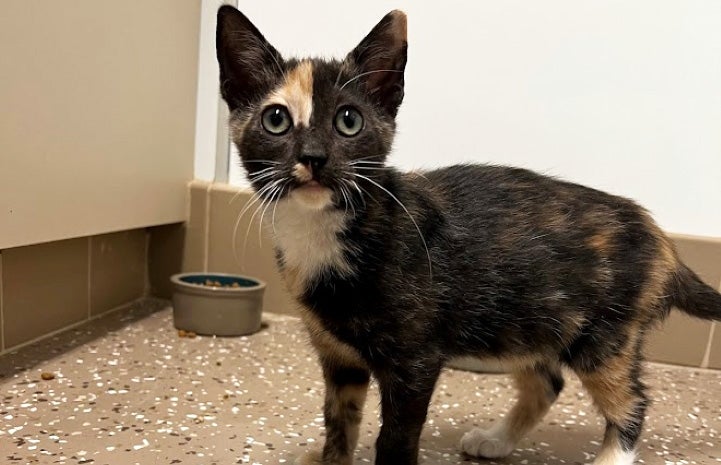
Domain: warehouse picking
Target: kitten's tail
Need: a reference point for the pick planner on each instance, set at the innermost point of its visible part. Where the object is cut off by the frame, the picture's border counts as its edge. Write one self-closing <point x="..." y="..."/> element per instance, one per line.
<point x="695" y="297"/>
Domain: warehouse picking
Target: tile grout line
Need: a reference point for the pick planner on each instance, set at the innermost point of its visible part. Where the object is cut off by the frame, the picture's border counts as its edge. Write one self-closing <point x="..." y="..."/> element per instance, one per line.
<point x="206" y="227"/>
<point x="707" y="354"/>
<point x="90" y="270"/>
<point x="146" y="264"/>
<point x="71" y="326"/>
<point x="709" y="344"/>
<point x="2" y="307"/>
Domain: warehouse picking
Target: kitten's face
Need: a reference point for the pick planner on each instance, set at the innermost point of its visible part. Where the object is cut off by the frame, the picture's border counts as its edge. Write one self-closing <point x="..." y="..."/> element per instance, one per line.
<point x="311" y="130"/>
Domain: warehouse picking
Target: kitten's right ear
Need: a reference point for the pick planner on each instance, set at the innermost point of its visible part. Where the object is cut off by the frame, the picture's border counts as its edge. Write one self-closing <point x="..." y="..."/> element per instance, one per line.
<point x="249" y="65"/>
<point x="380" y="60"/>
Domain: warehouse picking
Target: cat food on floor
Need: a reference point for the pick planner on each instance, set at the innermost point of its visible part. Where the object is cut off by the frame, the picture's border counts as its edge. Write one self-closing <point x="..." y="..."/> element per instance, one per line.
<point x="186" y="334"/>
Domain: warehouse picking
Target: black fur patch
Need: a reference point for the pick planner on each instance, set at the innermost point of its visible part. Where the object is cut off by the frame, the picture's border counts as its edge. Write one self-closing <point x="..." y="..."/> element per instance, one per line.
<point x="342" y="376"/>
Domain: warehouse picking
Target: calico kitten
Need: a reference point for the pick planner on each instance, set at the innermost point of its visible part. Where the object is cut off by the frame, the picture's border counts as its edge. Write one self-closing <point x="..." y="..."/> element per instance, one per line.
<point x="396" y="273"/>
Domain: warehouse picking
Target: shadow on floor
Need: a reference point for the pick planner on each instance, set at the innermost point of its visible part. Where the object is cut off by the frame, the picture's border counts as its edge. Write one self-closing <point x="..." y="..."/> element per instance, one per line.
<point x="29" y="356"/>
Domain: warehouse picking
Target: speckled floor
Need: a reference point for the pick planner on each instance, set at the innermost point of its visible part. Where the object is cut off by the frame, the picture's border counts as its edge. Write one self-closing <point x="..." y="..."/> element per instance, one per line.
<point x="128" y="390"/>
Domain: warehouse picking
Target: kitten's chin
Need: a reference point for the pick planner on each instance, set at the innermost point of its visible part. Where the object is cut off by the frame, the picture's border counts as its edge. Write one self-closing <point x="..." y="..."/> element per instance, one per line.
<point x="313" y="197"/>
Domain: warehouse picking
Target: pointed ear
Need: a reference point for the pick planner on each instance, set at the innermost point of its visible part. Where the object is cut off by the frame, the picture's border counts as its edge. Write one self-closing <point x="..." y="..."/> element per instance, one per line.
<point x="380" y="60"/>
<point x="249" y="65"/>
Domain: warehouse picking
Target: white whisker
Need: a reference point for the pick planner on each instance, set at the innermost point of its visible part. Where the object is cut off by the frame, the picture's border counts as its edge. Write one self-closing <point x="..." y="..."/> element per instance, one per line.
<point x="252" y="201"/>
<point x="255" y="173"/>
<point x="371" y="168"/>
<point x="364" y="191"/>
<point x="360" y="193"/>
<point x="265" y="162"/>
<point x="272" y="218"/>
<point x="348" y="200"/>
<point x="363" y="162"/>
<point x="367" y="73"/>
<point x="345" y="200"/>
<point x="266" y="175"/>
<point x="272" y="195"/>
<point x="250" y="225"/>
<point x="352" y="204"/>
<point x="420" y="234"/>
<point x="272" y="55"/>
<point x="262" y="173"/>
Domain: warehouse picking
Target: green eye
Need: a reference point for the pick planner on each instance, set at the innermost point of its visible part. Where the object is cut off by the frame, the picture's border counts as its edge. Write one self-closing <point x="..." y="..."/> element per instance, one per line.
<point x="276" y="120"/>
<point x="348" y="121"/>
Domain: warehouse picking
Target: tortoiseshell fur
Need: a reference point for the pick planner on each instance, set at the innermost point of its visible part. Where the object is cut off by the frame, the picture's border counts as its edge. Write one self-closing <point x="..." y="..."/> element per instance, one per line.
<point x="397" y="273"/>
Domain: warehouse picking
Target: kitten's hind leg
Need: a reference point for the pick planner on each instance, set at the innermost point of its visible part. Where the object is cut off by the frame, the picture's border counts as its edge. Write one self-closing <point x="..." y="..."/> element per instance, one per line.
<point x="538" y="387"/>
<point x="620" y="396"/>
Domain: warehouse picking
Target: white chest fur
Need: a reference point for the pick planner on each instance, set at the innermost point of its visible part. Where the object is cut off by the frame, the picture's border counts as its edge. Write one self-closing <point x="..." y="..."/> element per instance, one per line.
<point x="308" y="239"/>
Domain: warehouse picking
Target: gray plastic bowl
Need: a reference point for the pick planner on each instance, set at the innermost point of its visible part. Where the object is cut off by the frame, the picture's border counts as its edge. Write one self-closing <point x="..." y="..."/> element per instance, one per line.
<point x="217" y="310"/>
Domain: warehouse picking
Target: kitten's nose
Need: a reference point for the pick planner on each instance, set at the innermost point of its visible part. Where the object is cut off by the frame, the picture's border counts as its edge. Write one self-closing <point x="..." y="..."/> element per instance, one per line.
<point x="314" y="161"/>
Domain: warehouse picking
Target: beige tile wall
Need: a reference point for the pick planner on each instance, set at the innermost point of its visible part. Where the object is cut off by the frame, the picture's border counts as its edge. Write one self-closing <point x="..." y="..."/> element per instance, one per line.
<point x="682" y="339"/>
<point x="165" y="257"/>
<point x="47" y="287"/>
<point x="715" y="348"/>
<point x="117" y="269"/>
<point x="196" y="230"/>
<point x="2" y="332"/>
<point x="214" y="208"/>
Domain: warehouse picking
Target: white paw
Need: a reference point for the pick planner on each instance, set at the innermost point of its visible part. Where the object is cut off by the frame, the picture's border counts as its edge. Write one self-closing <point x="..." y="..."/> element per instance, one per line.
<point x="313" y="457"/>
<point x="488" y="444"/>
<point x="615" y="456"/>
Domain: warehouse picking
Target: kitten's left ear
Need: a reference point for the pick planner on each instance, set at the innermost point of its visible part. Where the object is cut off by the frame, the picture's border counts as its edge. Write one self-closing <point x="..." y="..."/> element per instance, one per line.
<point x="380" y="60"/>
<point x="249" y="65"/>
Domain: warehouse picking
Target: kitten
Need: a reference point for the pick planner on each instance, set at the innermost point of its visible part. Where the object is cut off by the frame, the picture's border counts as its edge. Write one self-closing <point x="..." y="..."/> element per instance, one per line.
<point x="396" y="273"/>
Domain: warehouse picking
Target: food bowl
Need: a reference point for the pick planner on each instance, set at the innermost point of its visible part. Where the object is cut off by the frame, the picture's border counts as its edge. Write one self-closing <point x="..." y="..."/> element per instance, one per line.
<point x="217" y="304"/>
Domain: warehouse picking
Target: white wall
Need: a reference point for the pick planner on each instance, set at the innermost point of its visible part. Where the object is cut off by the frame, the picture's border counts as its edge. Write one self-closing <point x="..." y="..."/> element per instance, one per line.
<point x="211" y="136"/>
<point x="623" y="96"/>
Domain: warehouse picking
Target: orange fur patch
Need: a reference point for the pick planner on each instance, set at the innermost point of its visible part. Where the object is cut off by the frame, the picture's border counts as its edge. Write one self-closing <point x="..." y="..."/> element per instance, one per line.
<point x="296" y="93"/>
<point x="534" y="400"/>
<point x="610" y="385"/>
<point x="302" y="173"/>
<point x="601" y="242"/>
<point x="664" y="265"/>
<point x="327" y="345"/>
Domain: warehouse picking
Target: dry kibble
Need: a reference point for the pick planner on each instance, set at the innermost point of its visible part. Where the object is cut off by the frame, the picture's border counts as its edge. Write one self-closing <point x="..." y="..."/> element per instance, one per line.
<point x="215" y="283"/>
<point x="47" y="376"/>
<point x="188" y="334"/>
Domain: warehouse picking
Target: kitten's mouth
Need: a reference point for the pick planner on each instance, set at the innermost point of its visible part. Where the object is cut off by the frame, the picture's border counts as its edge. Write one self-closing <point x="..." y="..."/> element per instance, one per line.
<point x="311" y="183"/>
<point x="311" y="186"/>
<point x="312" y="194"/>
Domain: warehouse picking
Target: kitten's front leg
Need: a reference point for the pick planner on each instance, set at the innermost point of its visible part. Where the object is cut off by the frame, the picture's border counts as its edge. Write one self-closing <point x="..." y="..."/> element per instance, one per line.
<point x="404" y="402"/>
<point x="346" y="389"/>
